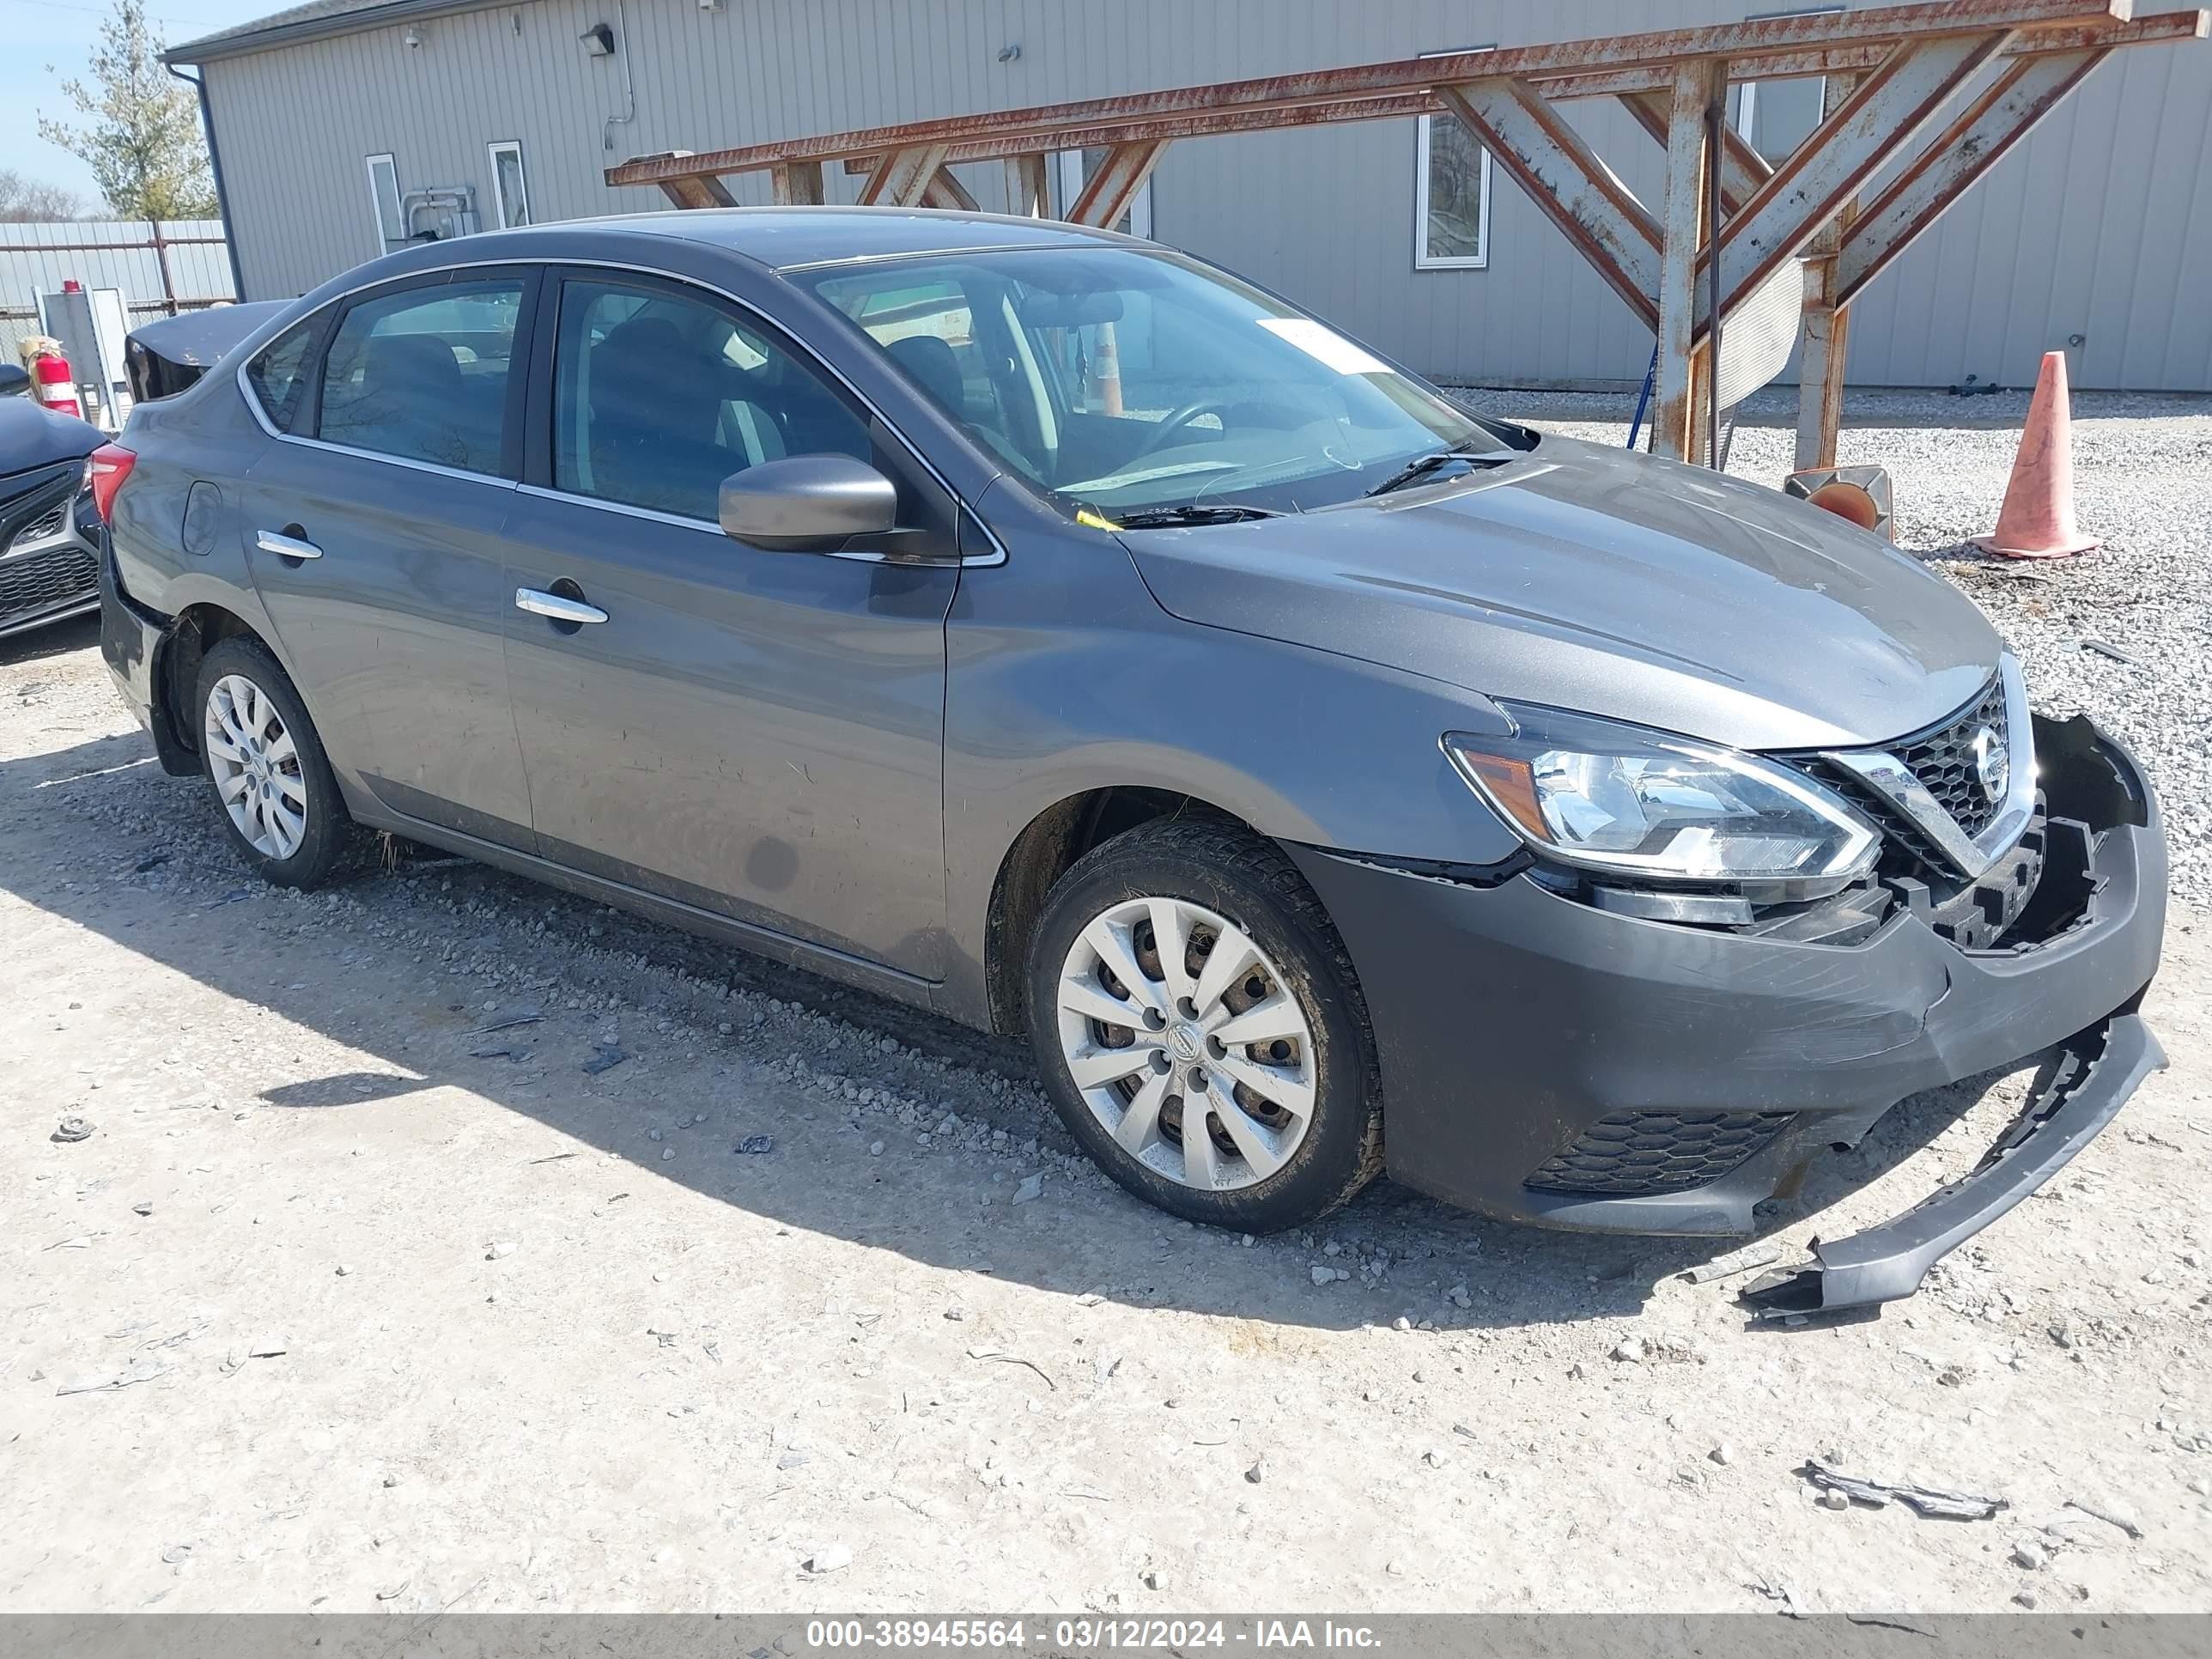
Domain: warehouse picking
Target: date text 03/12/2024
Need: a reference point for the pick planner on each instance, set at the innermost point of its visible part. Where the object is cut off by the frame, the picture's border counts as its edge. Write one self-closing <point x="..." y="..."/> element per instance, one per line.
<point x="1087" y="1635"/>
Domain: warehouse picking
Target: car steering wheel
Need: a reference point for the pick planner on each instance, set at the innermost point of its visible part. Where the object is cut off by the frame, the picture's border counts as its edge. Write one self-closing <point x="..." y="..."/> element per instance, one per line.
<point x="1176" y="420"/>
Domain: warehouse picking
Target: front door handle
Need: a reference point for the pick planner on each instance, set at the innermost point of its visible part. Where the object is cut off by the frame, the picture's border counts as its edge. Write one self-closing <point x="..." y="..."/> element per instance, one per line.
<point x="286" y="546"/>
<point x="558" y="606"/>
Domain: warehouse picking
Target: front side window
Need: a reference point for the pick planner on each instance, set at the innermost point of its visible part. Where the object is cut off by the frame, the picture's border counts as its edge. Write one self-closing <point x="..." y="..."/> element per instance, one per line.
<point x="658" y="398"/>
<point x="1123" y="379"/>
<point x="278" y="372"/>
<point x="1451" y="193"/>
<point x="423" y="373"/>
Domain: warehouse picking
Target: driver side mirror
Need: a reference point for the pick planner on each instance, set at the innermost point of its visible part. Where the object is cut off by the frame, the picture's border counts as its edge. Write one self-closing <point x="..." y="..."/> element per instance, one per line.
<point x="807" y="503"/>
<point x="13" y="380"/>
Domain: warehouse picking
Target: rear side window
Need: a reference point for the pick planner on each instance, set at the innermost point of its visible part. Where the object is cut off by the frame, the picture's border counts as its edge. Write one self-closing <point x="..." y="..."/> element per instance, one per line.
<point x="422" y="374"/>
<point x="278" y="374"/>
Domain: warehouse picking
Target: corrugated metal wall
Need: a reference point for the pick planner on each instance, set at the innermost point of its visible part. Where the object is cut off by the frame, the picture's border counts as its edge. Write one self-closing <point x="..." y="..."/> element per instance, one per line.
<point x="2100" y="225"/>
<point x="30" y="264"/>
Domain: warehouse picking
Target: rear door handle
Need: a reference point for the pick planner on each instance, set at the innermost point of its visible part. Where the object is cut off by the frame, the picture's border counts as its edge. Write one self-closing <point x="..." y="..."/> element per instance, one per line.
<point x="558" y="606"/>
<point x="286" y="547"/>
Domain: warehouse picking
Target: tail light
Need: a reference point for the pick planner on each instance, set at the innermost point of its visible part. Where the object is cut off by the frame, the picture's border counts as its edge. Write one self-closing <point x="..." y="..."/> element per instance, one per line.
<point x="105" y="470"/>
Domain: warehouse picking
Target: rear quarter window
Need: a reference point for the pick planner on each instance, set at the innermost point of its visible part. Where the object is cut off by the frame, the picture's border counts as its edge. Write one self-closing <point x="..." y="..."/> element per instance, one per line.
<point x="279" y="373"/>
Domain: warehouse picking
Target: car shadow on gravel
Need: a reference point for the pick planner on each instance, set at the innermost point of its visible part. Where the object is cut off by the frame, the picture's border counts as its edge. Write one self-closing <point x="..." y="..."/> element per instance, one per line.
<point x="345" y="1088"/>
<point x="55" y="639"/>
<point x="234" y="935"/>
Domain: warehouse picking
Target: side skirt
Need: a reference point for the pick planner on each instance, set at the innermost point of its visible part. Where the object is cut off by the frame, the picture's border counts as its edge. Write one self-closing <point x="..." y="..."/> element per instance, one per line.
<point x="845" y="968"/>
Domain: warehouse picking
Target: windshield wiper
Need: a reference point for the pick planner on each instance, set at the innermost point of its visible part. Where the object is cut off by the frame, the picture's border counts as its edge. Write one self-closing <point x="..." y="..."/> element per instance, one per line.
<point x="1422" y="465"/>
<point x="1193" y="513"/>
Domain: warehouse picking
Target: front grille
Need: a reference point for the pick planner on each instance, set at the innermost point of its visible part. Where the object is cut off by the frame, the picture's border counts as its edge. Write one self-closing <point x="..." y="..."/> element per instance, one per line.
<point x="37" y="581"/>
<point x="48" y="523"/>
<point x="1944" y="760"/>
<point x="1635" y="1154"/>
<point x="1901" y="830"/>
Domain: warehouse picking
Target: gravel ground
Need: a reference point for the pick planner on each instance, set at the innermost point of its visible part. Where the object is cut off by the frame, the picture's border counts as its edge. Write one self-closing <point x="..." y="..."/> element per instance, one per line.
<point x="2143" y="483"/>
<point x="360" y="1296"/>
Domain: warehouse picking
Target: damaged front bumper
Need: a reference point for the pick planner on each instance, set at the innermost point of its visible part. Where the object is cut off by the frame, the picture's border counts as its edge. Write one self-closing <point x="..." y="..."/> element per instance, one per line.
<point x="1545" y="1061"/>
<point x="2081" y="1091"/>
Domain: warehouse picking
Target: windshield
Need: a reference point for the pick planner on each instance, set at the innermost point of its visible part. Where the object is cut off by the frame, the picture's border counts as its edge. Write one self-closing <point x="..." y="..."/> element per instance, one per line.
<point x="1121" y="381"/>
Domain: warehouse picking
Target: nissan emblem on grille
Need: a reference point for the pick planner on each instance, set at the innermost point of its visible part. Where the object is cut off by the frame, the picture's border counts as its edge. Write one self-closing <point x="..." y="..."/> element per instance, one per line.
<point x="1938" y="792"/>
<point x="1992" y="766"/>
<point x="1950" y="760"/>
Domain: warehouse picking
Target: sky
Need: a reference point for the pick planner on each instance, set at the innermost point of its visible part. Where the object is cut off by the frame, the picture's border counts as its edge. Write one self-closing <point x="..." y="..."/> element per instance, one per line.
<point x="63" y="33"/>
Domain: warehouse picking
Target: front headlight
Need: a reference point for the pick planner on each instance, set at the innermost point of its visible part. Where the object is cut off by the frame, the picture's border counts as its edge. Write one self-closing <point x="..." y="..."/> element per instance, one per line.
<point x="1632" y="802"/>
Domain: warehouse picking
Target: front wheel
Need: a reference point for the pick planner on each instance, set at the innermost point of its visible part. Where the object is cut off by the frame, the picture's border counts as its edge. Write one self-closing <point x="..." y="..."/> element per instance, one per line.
<point x="267" y="766"/>
<point x="1200" y="1031"/>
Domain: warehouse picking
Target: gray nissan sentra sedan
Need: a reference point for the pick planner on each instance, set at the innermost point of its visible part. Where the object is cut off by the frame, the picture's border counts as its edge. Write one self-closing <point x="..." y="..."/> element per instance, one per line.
<point x="1044" y="627"/>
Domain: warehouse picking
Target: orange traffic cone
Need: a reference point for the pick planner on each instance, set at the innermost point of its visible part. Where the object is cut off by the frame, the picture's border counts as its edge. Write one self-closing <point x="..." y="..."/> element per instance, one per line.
<point x="2037" y="519"/>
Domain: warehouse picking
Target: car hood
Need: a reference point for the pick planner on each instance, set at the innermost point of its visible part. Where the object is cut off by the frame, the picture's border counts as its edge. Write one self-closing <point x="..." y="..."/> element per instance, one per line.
<point x="33" y="435"/>
<point x="1588" y="578"/>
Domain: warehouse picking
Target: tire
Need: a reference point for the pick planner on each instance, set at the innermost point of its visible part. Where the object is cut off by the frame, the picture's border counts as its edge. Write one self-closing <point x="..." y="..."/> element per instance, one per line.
<point x="265" y="766"/>
<point x="1215" y="885"/>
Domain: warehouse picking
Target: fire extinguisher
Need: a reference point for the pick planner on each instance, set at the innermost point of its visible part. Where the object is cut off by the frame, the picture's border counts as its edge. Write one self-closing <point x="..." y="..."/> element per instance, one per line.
<point x="55" y="385"/>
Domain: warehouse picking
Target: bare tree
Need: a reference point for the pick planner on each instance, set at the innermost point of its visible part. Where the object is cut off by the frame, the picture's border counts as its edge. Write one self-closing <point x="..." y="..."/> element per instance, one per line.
<point x="30" y="201"/>
<point x="141" y="137"/>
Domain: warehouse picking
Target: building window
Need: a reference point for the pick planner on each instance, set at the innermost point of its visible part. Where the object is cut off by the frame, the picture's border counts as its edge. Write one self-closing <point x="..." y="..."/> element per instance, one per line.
<point x="384" y="202"/>
<point x="1451" y="193"/>
<point x="510" y="191"/>
<point x="1074" y="168"/>
<point x="1777" y="116"/>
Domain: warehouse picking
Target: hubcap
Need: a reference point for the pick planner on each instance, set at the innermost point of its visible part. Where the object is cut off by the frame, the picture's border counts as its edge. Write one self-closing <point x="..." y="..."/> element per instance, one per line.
<point x="256" y="766"/>
<point x="1186" y="1043"/>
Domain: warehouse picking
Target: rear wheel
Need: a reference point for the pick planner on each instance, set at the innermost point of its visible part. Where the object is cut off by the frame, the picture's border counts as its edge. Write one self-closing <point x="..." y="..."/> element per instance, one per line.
<point x="267" y="767"/>
<point x="1200" y="1031"/>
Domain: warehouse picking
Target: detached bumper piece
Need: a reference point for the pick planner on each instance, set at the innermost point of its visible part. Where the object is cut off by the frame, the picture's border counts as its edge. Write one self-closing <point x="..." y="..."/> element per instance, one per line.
<point x="2093" y="1073"/>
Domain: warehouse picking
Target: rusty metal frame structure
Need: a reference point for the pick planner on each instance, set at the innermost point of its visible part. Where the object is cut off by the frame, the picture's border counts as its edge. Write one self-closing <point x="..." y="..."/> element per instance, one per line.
<point x="1881" y="165"/>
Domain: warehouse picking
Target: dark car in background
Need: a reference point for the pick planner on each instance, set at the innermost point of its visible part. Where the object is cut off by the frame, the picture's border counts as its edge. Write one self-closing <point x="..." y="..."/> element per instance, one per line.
<point x="1044" y="627"/>
<point x="49" y="531"/>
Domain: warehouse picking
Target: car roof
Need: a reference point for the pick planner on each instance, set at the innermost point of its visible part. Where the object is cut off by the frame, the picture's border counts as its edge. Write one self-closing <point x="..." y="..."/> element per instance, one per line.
<point x="776" y="239"/>
<point x="785" y="237"/>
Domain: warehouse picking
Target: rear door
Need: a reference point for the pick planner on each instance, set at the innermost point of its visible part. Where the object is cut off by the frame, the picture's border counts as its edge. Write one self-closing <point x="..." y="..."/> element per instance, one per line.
<point x="374" y="529"/>
<point x="755" y="733"/>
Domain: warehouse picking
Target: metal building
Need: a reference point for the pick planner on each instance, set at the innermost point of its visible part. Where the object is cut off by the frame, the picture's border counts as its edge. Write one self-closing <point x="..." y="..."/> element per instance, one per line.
<point x="343" y="127"/>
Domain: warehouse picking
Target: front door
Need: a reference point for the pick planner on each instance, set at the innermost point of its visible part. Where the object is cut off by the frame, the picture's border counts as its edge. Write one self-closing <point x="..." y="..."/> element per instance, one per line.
<point x="755" y="733"/>
<point x="374" y="533"/>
